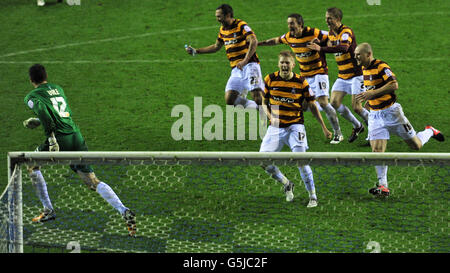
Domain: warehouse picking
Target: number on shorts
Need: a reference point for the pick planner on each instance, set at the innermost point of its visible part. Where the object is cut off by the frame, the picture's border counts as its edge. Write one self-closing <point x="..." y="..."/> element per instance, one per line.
<point x="322" y="85"/>
<point x="253" y="80"/>
<point x="407" y="127"/>
<point x="301" y="136"/>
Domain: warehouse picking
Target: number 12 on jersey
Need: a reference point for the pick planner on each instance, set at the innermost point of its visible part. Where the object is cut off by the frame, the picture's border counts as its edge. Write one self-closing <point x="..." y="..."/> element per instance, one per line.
<point x="59" y="104"/>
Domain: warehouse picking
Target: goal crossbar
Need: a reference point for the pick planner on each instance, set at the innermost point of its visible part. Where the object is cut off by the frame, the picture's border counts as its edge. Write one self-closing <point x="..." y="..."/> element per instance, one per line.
<point x="253" y="158"/>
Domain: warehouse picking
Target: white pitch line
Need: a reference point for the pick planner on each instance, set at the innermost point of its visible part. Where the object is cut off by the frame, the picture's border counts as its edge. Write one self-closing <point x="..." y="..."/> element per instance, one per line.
<point x="173" y="61"/>
<point x="103" y="41"/>
<point x="203" y="28"/>
<point x="117" y="61"/>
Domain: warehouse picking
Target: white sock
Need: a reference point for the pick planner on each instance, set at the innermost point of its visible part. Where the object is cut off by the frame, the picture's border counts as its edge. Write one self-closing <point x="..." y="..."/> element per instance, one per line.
<point x="276" y="174"/>
<point x="347" y="114"/>
<point x="425" y="135"/>
<point x="308" y="179"/>
<point x="365" y="115"/>
<point x="382" y="175"/>
<point x="40" y="187"/>
<point x="110" y="196"/>
<point x="332" y="117"/>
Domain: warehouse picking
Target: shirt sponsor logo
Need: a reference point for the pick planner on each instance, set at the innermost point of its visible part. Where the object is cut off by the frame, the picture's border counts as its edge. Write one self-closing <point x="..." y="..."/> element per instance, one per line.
<point x="281" y="99"/>
<point x="231" y="42"/>
<point x="304" y="54"/>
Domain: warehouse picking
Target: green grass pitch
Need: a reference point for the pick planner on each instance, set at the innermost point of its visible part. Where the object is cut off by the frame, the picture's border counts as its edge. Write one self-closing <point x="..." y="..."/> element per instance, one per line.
<point x="123" y="67"/>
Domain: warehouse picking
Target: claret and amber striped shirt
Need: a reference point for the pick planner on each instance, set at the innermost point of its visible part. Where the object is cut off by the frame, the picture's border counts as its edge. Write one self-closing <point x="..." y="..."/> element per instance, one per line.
<point x="311" y="62"/>
<point x="346" y="62"/>
<point x="285" y="98"/>
<point x="234" y="38"/>
<point x="376" y="75"/>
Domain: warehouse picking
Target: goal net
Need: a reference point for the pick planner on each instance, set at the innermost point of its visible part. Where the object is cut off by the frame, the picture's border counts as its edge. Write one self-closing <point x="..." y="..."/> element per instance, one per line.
<point x="225" y="202"/>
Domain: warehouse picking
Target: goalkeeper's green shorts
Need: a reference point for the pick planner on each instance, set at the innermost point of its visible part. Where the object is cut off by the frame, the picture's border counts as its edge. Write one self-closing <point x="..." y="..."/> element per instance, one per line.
<point x="73" y="142"/>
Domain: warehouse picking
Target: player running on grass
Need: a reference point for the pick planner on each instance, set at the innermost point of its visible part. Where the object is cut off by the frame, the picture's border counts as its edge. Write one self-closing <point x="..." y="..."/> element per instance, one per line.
<point x="49" y="103"/>
<point x="386" y="115"/>
<point x="342" y="42"/>
<point x="284" y="95"/>
<point x="313" y="64"/>
<point x="240" y="46"/>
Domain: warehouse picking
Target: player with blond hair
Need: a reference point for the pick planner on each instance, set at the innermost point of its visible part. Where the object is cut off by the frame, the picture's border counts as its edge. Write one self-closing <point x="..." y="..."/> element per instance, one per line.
<point x="313" y="64"/>
<point x="284" y="95"/>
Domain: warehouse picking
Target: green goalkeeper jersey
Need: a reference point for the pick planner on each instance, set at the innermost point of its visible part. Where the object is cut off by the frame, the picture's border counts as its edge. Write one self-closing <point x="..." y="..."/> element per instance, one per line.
<point x="49" y="103"/>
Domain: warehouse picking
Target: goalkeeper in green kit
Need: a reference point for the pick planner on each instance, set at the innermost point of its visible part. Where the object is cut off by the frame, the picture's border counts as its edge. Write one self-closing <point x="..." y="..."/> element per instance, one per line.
<point x="49" y="103"/>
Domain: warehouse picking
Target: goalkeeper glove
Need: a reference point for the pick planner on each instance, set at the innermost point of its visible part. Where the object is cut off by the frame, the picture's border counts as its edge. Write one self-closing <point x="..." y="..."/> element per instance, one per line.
<point x="53" y="145"/>
<point x="31" y="123"/>
<point x="190" y="50"/>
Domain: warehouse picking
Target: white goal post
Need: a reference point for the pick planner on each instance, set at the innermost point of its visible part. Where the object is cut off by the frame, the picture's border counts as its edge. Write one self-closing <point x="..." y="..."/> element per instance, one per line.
<point x="11" y="222"/>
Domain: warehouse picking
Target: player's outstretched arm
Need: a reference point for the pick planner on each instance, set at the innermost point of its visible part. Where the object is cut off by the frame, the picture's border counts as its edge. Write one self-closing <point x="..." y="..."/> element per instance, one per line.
<point x="204" y="50"/>
<point x="312" y="106"/>
<point x="270" y="42"/>
<point x="342" y="48"/>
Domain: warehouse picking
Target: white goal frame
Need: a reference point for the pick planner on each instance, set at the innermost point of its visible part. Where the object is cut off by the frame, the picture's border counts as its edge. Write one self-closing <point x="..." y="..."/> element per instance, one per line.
<point x="14" y="240"/>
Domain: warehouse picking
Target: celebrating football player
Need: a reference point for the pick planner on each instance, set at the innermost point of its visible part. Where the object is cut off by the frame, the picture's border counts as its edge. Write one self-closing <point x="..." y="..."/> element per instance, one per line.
<point x="386" y="115"/>
<point x="284" y="94"/>
<point x="240" y="46"/>
<point x="313" y="64"/>
<point x="342" y="42"/>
